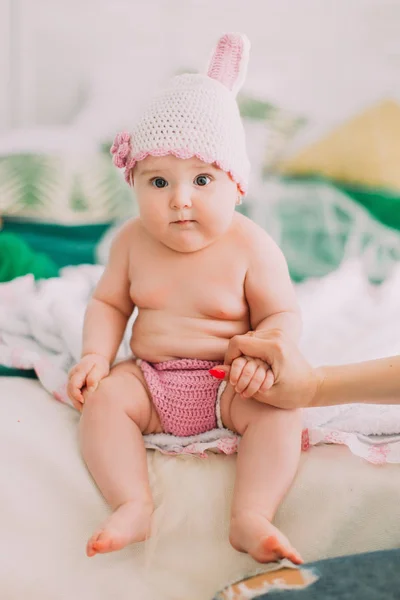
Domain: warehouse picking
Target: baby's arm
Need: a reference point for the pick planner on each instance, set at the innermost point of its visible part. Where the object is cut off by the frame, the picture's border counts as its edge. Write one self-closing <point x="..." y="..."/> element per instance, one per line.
<point x="110" y="306"/>
<point x="105" y="320"/>
<point x="272" y="304"/>
<point x="269" y="290"/>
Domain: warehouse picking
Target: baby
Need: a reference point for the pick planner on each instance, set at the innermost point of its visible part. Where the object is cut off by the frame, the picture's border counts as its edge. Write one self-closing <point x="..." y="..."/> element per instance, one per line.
<point x="198" y="273"/>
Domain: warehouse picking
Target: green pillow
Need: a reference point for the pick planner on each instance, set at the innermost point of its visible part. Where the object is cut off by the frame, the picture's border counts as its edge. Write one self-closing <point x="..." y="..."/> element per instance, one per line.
<point x="56" y="188"/>
<point x="318" y="226"/>
<point x="17" y="259"/>
<point x="384" y="205"/>
<point x="60" y="175"/>
<point x="62" y="244"/>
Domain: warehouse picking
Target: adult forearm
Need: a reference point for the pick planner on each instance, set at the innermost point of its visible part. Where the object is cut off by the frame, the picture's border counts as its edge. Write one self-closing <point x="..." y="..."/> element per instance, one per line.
<point x="103" y="329"/>
<point x="373" y="382"/>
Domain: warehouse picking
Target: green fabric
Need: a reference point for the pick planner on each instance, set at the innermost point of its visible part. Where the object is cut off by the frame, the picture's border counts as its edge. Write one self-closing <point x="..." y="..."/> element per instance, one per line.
<point x="8" y="372"/>
<point x="318" y="226"/>
<point x="308" y="244"/>
<point x="17" y="259"/>
<point x="382" y="204"/>
<point x="63" y="244"/>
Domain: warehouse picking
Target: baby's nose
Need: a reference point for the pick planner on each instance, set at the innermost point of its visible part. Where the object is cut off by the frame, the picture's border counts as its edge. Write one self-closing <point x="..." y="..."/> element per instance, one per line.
<point x="181" y="197"/>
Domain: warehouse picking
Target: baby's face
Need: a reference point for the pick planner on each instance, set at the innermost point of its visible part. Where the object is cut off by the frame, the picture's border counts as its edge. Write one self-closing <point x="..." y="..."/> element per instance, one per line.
<point x="185" y="204"/>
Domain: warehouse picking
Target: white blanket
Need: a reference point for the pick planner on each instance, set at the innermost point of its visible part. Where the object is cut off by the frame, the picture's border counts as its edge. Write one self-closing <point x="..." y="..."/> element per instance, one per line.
<point x="345" y="318"/>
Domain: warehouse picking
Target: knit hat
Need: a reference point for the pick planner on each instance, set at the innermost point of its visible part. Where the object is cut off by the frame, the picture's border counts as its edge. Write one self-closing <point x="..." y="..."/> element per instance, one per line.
<point x="196" y="115"/>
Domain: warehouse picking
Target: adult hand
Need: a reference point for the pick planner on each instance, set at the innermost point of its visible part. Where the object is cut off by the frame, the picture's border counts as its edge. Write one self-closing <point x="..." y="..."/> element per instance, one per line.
<point x="295" y="382"/>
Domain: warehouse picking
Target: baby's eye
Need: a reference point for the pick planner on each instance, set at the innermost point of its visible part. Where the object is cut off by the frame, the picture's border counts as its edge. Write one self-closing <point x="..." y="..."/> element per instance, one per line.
<point x="159" y="182"/>
<point x="202" y="180"/>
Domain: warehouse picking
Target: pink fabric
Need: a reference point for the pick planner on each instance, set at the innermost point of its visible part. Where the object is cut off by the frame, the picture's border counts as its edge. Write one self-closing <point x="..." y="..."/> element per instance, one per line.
<point x="122" y="153"/>
<point x="225" y="63"/>
<point x="124" y="158"/>
<point x="195" y="115"/>
<point x="184" y="394"/>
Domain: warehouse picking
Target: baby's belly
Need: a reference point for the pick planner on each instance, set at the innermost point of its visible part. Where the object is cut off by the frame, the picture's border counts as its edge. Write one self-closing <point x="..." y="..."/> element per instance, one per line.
<point x="158" y="336"/>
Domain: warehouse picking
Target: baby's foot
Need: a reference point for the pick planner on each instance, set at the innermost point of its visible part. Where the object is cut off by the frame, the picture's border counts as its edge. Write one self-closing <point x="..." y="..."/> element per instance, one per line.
<point x="251" y="532"/>
<point x="128" y="524"/>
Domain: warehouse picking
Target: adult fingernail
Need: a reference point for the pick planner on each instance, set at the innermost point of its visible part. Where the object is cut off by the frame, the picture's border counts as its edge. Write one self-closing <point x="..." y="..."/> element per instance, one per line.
<point x="217" y="373"/>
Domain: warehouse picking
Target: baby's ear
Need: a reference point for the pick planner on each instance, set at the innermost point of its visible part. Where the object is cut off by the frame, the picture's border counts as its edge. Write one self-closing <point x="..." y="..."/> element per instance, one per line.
<point x="228" y="63"/>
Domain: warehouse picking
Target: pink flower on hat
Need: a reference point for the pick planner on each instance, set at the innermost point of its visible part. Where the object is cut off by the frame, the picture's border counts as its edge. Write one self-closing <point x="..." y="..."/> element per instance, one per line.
<point x="122" y="153"/>
<point x="121" y="149"/>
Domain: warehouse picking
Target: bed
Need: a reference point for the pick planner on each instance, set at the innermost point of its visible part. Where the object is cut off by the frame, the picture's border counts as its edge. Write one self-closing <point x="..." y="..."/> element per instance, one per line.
<point x="339" y="503"/>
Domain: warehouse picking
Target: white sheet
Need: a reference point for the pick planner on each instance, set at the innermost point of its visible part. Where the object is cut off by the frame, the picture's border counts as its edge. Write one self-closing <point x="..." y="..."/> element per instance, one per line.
<point x="49" y="506"/>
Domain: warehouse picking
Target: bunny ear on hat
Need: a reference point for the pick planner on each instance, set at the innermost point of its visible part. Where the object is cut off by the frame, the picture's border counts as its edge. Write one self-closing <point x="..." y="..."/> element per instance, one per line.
<point x="195" y="115"/>
<point x="229" y="60"/>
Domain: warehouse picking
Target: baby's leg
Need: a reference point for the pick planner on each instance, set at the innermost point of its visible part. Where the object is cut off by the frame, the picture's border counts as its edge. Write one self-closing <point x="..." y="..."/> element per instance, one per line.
<point x="113" y="420"/>
<point x="267" y="462"/>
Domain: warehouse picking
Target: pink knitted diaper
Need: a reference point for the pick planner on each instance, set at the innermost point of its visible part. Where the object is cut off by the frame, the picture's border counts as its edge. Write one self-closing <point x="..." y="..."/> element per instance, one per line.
<point x="184" y="394"/>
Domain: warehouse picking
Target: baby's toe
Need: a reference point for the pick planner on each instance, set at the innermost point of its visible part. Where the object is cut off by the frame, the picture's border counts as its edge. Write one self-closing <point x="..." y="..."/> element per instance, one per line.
<point x="91" y="546"/>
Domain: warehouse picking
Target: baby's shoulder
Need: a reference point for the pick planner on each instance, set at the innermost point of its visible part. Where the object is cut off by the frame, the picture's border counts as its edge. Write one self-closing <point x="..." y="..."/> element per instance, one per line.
<point x="256" y="245"/>
<point x="249" y="234"/>
<point x="128" y="234"/>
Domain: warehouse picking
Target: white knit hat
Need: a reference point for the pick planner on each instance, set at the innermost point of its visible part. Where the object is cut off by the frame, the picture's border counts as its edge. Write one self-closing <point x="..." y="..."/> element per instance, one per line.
<point x="196" y="115"/>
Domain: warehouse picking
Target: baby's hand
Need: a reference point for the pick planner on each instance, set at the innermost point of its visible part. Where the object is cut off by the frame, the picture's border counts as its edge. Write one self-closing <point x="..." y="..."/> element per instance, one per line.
<point x="249" y="375"/>
<point x="89" y="371"/>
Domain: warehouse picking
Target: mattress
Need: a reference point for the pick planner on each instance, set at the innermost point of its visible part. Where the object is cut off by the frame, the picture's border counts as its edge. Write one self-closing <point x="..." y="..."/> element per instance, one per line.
<point x="339" y="504"/>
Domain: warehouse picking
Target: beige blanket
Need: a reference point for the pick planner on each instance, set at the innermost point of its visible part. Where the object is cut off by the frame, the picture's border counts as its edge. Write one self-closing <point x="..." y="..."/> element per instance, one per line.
<point x="49" y="506"/>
